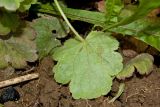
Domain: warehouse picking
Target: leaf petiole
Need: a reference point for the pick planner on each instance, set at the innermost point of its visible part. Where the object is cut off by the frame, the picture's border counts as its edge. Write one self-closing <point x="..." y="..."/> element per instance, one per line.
<point x="68" y="23"/>
<point x="120" y="91"/>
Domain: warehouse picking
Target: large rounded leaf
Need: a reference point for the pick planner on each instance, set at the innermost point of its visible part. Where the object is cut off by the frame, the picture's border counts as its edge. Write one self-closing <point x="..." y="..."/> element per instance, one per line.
<point x="89" y="65"/>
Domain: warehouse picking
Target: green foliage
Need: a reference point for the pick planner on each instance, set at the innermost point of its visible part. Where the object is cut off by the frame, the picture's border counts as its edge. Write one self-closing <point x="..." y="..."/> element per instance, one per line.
<point x="133" y="19"/>
<point x="18" y="50"/>
<point x="46" y="40"/>
<point x="151" y="40"/>
<point x="113" y="8"/>
<point x="10" y="4"/>
<point x="8" y="22"/>
<point x="143" y="9"/>
<point x="17" y="46"/>
<point x="143" y="63"/>
<point x="13" y="5"/>
<point x="144" y="29"/>
<point x="1" y="105"/>
<point x="88" y="65"/>
<point x="96" y="18"/>
<point x="26" y="4"/>
<point x="83" y="64"/>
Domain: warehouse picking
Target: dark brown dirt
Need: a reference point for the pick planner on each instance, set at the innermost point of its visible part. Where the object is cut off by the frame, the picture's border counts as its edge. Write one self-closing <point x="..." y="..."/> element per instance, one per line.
<point x="140" y="91"/>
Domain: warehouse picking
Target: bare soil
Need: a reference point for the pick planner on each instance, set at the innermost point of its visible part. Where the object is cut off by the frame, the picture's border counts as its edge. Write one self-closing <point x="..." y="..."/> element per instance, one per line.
<point x="140" y="91"/>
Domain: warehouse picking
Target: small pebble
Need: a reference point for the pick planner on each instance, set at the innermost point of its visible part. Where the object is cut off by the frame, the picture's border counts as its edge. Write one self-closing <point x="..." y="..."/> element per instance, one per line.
<point x="129" y="53"/>
<point x="9" y="94"/>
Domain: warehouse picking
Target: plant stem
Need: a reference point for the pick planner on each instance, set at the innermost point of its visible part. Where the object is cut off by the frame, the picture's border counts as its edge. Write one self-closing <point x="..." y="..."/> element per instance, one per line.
<point x="120" y="91"/>
<point x="68" y="23"/>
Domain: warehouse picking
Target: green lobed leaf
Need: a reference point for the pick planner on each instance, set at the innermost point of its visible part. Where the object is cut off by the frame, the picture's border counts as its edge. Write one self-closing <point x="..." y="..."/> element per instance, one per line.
<point x="89" y="65"/>
<point x="8" y="22"/>
<point x="18" y="50"/>
<point x="46" y="40"/>
<point x="143" y="63"/>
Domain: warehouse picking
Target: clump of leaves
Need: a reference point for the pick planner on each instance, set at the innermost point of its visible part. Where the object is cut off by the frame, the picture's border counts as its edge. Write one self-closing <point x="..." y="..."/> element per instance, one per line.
<point x="126" y="20"/>
<point x="89" y="65"/>
<point x="17" y="46"/>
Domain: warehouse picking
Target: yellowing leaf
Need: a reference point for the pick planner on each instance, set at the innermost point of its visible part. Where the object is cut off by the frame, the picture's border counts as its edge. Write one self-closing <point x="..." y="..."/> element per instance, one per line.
<point x="143" y="63"/>
<point x="18" y="49"/>
<point x="89" y="65"/>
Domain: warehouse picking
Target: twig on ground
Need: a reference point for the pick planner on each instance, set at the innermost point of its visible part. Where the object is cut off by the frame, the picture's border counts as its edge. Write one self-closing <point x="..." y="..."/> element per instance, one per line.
<point x="18" y="80"/>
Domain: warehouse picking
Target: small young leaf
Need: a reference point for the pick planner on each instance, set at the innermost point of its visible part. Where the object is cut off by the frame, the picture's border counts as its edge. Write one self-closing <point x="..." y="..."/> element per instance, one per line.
<point x="46" y="40"/>
<point x="143" y="63"/>
<point x="89" y="65"/>
<point x="17" y="50"/>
